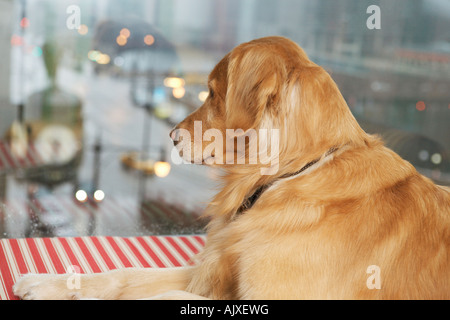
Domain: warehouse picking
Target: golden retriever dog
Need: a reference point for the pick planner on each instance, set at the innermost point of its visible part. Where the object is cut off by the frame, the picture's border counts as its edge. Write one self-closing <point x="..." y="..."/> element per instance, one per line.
<point x="336" y="215"/>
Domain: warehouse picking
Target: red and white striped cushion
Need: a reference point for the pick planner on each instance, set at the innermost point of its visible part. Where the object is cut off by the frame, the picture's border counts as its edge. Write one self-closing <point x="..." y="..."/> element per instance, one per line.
<point x="91" y="255"/>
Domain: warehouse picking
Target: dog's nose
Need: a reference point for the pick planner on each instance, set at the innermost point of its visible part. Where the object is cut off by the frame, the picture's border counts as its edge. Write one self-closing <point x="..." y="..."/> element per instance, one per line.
<point x="174" y="135"/>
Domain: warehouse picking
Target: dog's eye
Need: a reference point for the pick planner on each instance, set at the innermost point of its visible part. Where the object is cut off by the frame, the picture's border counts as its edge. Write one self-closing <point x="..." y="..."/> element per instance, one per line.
<point x="211" y="93"/>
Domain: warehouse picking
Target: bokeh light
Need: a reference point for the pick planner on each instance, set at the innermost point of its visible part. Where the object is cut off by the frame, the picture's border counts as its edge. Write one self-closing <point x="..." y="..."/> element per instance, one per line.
<point x="103" y="59"/>
<point x="174" y="82"/>
<point x="37" y="51"/>
<point x="119" y="61"/>
<point x="179" y="92"/>
<point x="436" y="158"/>
<point x="125" y="33"/>
<point x="420" y="106"/>
<point x="16" y="40"/>
<point x="162" y="169"/>
<point x="149" y="40"/>
<point x="25" y="23"/>
<point x="121" y="40"/>
<point x="81" y="195"/>
<point x="94" y="55"/>
<point x="83" y="30"/>
<point x="99" y="195"/>
<point x="203" y="95"/>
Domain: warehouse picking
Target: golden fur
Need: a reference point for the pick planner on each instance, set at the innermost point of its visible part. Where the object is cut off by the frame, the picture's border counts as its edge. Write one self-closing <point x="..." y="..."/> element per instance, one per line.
<point x="311" y="236"/>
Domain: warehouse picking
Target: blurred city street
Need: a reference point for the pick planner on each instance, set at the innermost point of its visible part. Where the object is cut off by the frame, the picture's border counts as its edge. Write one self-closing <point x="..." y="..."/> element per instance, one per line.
<point x="114" y="122"/>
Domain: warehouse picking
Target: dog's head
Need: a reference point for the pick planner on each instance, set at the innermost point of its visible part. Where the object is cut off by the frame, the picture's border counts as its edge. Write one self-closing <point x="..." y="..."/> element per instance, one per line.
<point x="267" y="104"/>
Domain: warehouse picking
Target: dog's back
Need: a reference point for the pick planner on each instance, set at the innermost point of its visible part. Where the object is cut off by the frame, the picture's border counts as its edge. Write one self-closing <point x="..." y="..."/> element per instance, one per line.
<point x="390" y="224"/>
<point x="412" y="242"/>
<point x="363" y="226"/>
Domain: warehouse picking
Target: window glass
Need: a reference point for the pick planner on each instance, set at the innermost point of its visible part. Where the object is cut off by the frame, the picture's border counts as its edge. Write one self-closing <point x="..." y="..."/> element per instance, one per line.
<point x="89" y="91"/>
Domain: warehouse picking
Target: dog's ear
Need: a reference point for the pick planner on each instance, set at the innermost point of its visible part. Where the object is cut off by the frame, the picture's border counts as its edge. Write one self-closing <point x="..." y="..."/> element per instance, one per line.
<point x="329" y="118"/>
<point x="253" y="86"/>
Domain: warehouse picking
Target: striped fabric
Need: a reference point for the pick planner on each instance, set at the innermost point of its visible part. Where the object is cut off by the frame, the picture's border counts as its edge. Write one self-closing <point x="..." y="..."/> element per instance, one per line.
<point x="91" y="255"/>
<point x="8" y="161"/>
